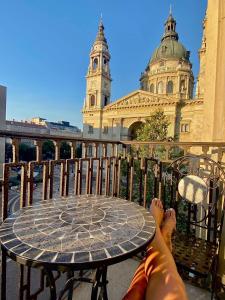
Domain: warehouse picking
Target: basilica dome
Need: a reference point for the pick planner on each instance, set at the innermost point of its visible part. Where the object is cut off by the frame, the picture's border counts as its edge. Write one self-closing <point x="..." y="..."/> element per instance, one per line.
<point x="170" y="48"/>
<point x="169" y="70"/>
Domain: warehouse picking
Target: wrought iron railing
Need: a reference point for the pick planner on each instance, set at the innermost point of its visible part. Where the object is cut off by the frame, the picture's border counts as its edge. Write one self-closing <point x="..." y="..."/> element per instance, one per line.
<point x="133" y="170"/>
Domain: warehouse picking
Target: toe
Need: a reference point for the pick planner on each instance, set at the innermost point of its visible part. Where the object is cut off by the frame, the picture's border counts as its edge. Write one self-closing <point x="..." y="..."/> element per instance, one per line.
<point x="160" y="204"/>
<point x="167" y="213"/>
<point x="172" y="212"/>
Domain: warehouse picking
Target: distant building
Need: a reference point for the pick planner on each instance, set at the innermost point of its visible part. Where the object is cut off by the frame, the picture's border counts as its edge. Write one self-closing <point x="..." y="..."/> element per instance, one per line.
<point x="58" y="128"/>
<point x="42" y="126"/>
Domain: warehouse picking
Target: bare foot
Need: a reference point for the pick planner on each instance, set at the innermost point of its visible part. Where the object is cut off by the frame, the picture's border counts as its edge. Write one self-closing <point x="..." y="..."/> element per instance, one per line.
<point x="157" y="211"/>
<point x="168" y="226"/>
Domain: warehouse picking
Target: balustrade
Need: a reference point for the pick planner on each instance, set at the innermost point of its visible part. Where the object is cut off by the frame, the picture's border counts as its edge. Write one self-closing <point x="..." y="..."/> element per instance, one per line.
<point x="130" y="169"/>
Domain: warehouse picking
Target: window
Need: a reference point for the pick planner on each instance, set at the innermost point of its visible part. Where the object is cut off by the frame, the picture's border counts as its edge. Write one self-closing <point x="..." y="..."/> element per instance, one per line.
<point x="92" y="100"/>
<point x="169" y="87"/>
<point x="105" y="129"/>
<point x="152" y="88"/>
<point x="182" y="86"/>
<point x="95" y="64"/>
<point x="160" y="87"/>
<point x="90" y="129"/>
<point x="106" y="100"/>
<point x="105" y="63"/>
<point x="185" y="127"/>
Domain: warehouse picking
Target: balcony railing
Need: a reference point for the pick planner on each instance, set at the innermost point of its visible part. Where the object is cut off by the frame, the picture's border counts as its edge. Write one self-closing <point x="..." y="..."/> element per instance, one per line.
<point x="132" y="170"/>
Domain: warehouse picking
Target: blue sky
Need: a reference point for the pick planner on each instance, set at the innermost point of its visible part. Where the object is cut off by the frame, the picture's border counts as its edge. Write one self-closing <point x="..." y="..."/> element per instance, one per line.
<point x="45" y="46"/>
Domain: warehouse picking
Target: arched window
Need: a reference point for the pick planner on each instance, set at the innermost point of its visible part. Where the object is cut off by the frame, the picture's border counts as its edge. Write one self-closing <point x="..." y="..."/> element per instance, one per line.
<point x="169" y="89"/>
<point x="152" y="88"/>
<point x="185" y="127"/>
<point x="160" y="87"/>
<point x="92" y="100"/>
<point x="105" y="63"/>
<point x="106" y="99"/>
<point x="182" y="86"/>
<point x="95" y="64"/>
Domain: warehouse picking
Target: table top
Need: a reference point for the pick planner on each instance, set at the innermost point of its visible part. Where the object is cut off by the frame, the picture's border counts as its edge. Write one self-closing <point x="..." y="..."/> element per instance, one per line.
<point x="80" y="231"/>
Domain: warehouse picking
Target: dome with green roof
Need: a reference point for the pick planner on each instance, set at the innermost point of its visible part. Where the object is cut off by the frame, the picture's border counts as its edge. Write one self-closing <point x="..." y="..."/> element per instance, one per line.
<point x="170" y="47"/>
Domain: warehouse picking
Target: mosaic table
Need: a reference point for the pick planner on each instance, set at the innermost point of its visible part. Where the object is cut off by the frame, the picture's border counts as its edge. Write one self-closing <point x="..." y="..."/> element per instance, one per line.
<point x="77" y="232"/>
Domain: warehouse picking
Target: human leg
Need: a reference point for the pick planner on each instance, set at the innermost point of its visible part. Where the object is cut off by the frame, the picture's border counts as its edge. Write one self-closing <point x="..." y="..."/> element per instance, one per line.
<point x="157" y="277"/>
<point x="139" y="282"/>
<point x="164" y="282"/>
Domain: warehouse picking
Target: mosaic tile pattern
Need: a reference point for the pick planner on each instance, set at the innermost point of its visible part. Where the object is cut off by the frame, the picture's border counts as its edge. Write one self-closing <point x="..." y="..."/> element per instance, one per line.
<point x="77" y="229"/>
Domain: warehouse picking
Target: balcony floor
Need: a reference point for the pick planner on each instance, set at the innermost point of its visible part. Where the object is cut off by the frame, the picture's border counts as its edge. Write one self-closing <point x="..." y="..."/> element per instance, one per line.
<point x="119" y="277"/>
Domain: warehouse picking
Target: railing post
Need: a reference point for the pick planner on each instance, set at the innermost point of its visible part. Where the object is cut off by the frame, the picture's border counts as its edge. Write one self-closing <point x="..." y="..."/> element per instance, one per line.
<point x="73" y="148"/>
<point x="95" y="152"/>
<point x="104" y="146"/>
<point x="15" y="149"/>
<point x="124" y="150"/>
<point x="167" y="148"/>
<point x="150" y="150"/>
<point x="57" y="149"/>
<point x="38" y="144"/>
<point x="23" y="190"/>
<point x="5" y="193"/>
<point x="205" y="150"/>
<point x="137" y="148"/>
<point x="112" y="149"/>
<point x="84" y="150"/>
<point x="186" y="149"/>
<point x="116" y="150"/>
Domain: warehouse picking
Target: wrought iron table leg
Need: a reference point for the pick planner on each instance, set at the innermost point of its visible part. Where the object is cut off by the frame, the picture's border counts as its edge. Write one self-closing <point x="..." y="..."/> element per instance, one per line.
<point x="52" y="287"/>
<point x="70" y="291"/>
<point x="104" y="284"/>
<point x="100" y="282"/>
<point x="3" y="274"/>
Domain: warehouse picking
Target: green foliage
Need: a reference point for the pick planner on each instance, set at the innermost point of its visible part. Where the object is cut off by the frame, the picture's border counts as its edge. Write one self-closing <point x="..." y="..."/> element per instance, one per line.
<point x="155" y="128"/>
<point x="79" y="151"/>
<point x="13" y="181"/>
<point x="26" y="152"/>
<point x="48" y="150"/>
<point x="65" y="151"/>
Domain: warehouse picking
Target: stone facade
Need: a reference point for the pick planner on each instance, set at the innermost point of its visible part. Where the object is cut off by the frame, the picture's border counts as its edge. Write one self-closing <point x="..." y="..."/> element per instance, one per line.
<point x="214" y="96"/>
<point x="167" y="83"/>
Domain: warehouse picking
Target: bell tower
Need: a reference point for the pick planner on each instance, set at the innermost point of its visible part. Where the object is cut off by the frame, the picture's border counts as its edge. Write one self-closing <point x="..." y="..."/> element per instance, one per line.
<point x="98" y="78"/>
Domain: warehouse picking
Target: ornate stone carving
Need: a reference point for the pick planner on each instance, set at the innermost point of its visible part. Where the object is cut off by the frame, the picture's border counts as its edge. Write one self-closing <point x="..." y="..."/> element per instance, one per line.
<point x="139" y="99"/>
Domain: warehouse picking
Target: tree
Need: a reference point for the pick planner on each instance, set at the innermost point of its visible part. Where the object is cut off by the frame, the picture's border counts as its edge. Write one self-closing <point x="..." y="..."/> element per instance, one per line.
<point x="48" y="150"/>
<point x="155" y="128"/>
<point x="26" y="152"/>
<point x="65" y="151"/>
